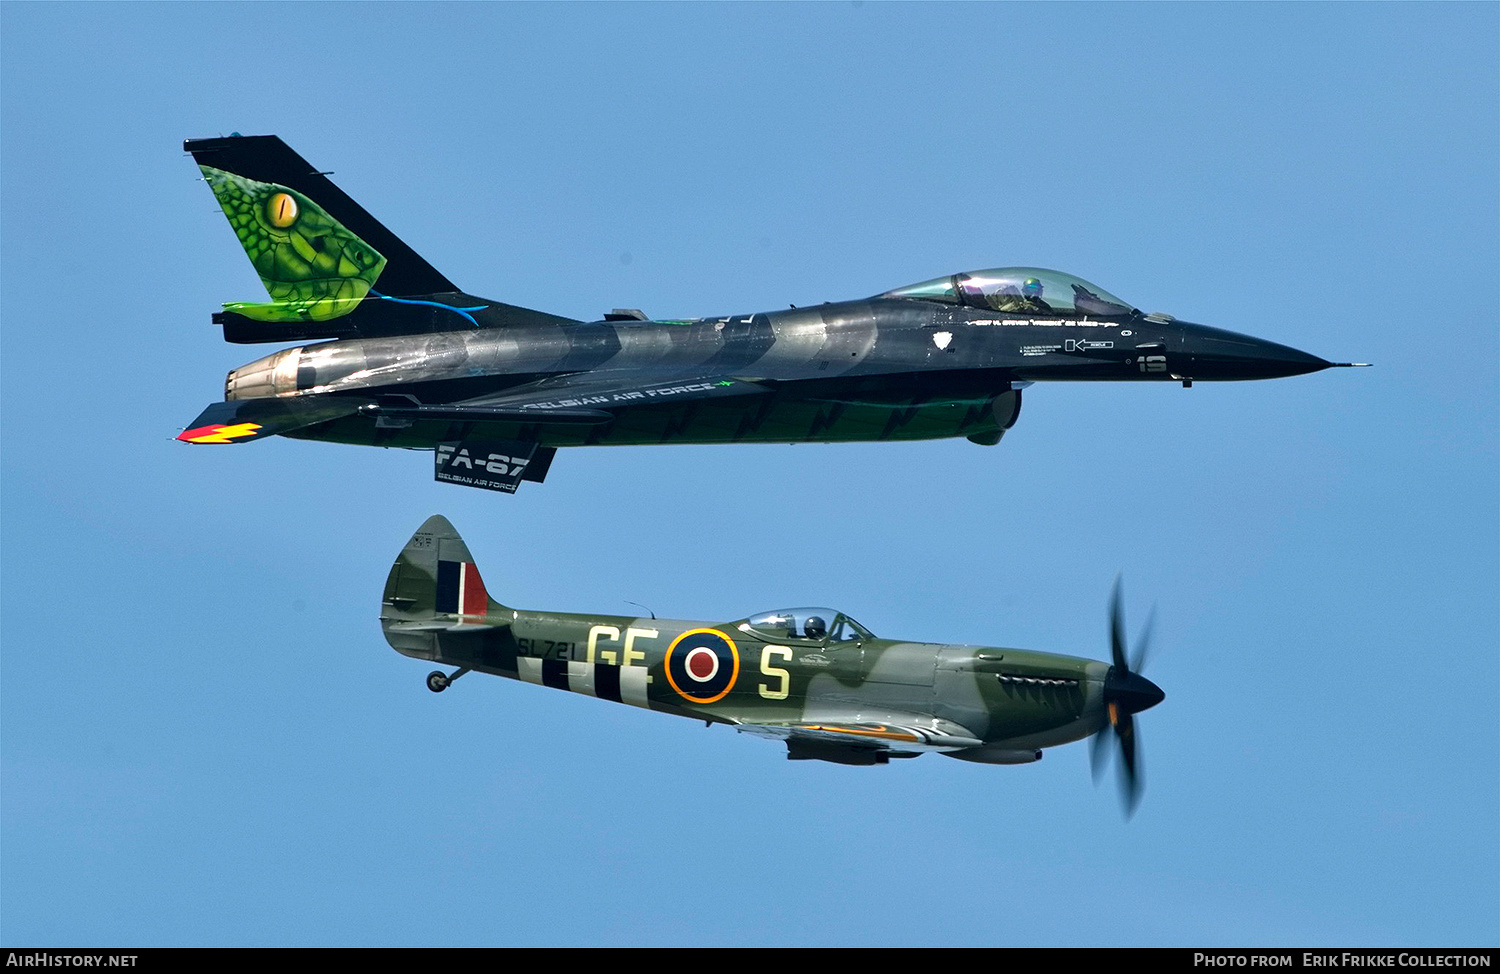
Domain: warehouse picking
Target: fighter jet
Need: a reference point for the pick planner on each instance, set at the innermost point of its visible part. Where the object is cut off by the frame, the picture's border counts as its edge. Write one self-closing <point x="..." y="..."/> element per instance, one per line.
<point x="812" y="678"/>
<point x="403" y="358"/>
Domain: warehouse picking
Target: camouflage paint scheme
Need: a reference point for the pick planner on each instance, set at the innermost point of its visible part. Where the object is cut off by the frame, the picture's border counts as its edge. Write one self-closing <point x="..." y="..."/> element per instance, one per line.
<point x="844" y="696"/>
<point x="420" y="363"/>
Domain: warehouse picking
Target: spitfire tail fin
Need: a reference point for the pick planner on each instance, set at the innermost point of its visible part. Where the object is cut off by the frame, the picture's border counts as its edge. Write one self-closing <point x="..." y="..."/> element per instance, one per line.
<point x="434" y="592"/>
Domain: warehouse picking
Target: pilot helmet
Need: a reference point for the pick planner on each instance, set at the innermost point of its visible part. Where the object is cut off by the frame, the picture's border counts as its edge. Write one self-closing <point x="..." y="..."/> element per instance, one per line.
<point x="1032" y="288"/>
<point x="815" y="627"/>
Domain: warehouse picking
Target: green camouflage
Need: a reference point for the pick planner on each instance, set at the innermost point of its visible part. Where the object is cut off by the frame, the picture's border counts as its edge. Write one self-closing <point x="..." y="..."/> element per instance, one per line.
<point x="836" y="694"/>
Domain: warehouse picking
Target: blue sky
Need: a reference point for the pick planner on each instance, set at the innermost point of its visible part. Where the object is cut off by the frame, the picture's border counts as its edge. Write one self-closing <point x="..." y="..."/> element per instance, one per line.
<point x="205" y="740"/>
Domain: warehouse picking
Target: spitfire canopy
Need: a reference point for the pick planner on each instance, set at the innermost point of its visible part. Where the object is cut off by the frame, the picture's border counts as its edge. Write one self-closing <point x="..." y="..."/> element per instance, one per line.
<point x="807" y="623"/>
<point x="1028" y="290"/>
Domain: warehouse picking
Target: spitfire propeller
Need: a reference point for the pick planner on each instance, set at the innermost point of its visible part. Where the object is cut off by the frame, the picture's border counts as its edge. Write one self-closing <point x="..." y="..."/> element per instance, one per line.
<point x="1126" y="693"/>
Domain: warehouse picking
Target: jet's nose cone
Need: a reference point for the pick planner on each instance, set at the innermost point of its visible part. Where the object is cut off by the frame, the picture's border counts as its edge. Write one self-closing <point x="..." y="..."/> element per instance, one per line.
<point x="1214" y="353"/>
<point x="1132" y="692"/>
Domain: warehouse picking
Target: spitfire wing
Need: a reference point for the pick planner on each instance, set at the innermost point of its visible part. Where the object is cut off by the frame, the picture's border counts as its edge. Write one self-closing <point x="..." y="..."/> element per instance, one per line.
<point x="898" y="734"/>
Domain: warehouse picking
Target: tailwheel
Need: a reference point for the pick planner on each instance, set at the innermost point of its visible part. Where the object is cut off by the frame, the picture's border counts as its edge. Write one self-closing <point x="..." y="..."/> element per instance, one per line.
<point x="437" y="681"/>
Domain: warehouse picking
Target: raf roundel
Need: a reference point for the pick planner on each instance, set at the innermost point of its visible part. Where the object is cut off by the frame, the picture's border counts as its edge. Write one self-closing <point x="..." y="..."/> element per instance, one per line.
<point x="702" y="665"/>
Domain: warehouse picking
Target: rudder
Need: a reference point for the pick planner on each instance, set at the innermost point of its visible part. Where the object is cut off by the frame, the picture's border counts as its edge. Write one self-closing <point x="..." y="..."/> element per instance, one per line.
<point x="435" y="588"/>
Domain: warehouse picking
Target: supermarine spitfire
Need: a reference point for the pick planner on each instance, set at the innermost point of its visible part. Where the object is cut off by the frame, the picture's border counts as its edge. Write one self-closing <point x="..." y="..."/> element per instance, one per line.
<point x="406" y="359"/>
<point x="810" y="677"/>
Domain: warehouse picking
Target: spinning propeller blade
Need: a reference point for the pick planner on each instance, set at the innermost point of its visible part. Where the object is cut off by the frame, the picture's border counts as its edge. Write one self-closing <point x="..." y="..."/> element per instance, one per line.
<point x="1126" y="693"/>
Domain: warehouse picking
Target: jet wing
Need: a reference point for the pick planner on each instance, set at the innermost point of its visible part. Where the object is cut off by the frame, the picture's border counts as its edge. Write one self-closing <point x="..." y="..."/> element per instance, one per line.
<point x="241" y="420"/>
<point x="899" y="733"/>
<point x="583" y="398"/>
<point x="609" y="390"/>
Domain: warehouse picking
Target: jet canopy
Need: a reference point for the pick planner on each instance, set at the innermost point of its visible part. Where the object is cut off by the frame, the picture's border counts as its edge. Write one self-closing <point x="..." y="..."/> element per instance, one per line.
<point x="1019" y="290"/>
<point x="818" y="624"/>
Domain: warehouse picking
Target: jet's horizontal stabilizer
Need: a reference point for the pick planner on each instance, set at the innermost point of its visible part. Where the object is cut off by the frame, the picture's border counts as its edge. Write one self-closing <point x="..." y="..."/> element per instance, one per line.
<point x="241" y="420"/>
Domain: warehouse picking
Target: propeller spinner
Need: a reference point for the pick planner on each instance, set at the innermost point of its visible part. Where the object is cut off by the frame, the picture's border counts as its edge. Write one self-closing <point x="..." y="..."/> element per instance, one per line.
<point x="1126" y="693"/>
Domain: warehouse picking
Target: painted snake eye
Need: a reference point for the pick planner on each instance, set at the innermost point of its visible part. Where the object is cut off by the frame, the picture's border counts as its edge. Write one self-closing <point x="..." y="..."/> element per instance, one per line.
<point x="281" y="210"/>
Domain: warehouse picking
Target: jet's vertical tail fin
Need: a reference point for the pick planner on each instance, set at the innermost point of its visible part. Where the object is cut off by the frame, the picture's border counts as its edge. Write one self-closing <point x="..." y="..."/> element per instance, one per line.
<point x="435" y="588"/>
<point x="297" y="226"/>
<point x="332" y="270"/>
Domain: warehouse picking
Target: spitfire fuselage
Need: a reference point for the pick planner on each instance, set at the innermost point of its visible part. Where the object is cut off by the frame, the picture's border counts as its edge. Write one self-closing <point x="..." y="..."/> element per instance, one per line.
<point x="1013" y="697"/>
<point x="811" y="677"/>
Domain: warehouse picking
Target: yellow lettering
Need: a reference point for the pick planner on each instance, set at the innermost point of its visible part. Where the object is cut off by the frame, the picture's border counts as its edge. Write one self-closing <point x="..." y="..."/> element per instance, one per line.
<point x="782" y="676"/>
<point x="608" y="632"/>
<point x="630" y="651"/>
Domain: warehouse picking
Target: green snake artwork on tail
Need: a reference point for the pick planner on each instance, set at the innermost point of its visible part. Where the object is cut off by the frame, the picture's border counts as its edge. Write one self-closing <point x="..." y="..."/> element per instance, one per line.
<point x="313" y="268"/>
